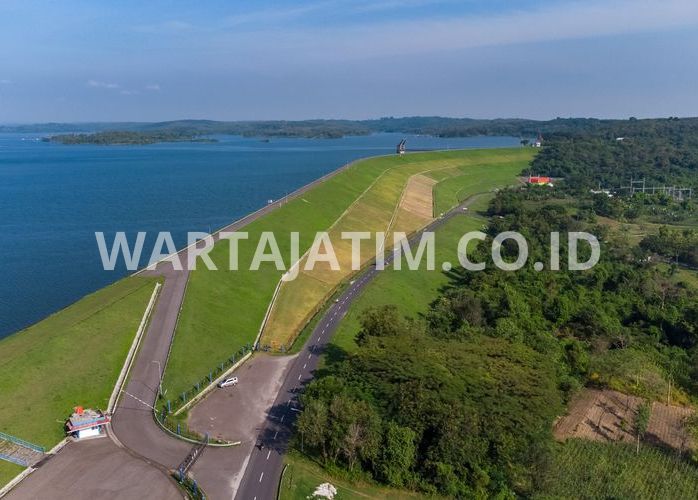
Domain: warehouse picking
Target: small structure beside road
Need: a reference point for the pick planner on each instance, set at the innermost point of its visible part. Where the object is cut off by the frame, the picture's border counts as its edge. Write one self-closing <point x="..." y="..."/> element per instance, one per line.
<point x="86" y="423"/>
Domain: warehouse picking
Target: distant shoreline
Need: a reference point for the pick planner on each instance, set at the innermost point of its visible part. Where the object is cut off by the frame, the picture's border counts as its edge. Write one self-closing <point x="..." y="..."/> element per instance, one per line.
<point x="201" y="130"/>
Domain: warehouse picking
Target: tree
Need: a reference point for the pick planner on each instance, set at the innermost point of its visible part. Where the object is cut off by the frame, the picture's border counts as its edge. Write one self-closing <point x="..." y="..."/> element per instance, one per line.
<point x="380" y="322"/>
<point x="312" y="424"/>
<point x="642" y="421"/>
<point x="399" y="454"/>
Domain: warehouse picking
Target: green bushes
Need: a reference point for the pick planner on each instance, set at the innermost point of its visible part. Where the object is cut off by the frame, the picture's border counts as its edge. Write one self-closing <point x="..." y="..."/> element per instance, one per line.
<point x="439" y="415"/>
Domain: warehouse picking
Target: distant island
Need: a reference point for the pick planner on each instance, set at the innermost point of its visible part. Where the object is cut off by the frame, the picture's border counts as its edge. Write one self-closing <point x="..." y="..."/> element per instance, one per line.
<point x="122" y="137"/>
<point x="202" y="130"/>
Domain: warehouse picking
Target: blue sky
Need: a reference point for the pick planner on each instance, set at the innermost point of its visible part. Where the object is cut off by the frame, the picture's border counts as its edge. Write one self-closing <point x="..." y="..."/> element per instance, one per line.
<point x="159" y="60"/>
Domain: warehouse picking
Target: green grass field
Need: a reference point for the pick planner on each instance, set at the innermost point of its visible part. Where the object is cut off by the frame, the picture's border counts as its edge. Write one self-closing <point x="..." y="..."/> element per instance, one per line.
<point x="71" y="358"/>
<point x="8" y="471"/>
<point x="303" y="476"/>
<point x="373" y="212"/>
<point x="452" y="190"/>
<point x="378" y="209"/>
<point x="223" y="310"/>
<point x="590" y="470"/>
<point x="410" y="291"/>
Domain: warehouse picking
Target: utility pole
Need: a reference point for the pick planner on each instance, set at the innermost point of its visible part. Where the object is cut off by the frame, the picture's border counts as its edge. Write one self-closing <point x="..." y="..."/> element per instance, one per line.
<point x="160" y="377"/>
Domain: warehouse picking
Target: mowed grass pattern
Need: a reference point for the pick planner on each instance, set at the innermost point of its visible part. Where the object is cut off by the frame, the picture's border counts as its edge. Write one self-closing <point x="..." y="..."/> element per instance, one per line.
<point x="223" y="309"/>
<point x="454" y="187"/>
<point x="71" y="358"/>
<point x="380" y="209"/>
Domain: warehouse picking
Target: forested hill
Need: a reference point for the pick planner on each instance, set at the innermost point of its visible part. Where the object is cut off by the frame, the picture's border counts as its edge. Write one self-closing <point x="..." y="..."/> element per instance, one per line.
<point x="437" y="126"/>
<point x="660" y="152"/>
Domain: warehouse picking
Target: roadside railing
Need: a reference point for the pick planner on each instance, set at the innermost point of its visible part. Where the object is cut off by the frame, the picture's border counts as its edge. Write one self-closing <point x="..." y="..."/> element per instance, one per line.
<point x="14" y="460"/>
<point x="22" y="442"/>
<point x="171" y="406"/>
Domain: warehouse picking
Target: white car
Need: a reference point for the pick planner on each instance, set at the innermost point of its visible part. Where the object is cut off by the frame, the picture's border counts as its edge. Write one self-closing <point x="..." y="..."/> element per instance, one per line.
<point x="228" y="382"/>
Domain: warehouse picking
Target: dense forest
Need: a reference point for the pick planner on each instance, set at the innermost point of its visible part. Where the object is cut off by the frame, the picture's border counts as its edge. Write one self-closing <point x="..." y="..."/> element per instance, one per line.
<point x="461" y="400"/>
<point x="662" y="152"/>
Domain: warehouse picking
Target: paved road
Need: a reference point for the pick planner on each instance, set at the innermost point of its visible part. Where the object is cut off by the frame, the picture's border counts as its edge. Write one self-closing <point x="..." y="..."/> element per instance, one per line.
<point x="132" y="425"/>
<point x="261" y="478"/>
<point x="95" y="468"/>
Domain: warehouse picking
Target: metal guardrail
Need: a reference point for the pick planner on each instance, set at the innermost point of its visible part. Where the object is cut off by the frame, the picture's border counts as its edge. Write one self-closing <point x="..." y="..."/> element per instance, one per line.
<point x="192" y="457"/>
<point x="22" y="442"/>
<point x="14" y="460"/>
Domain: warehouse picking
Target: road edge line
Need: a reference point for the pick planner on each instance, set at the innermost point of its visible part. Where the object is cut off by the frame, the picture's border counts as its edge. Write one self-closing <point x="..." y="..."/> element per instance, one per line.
<point x="128" y="362"/>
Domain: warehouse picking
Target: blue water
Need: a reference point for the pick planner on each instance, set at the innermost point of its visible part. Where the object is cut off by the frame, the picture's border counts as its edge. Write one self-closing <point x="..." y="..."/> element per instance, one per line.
<point x="54" y="197"/>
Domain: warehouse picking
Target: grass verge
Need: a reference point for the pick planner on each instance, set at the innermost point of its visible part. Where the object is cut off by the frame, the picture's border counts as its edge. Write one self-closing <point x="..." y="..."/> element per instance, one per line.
<point x="71" y="358"/>
<point x="303" y="476"/>
<point x="8" y="471"/>
<point x="452" y="190"/>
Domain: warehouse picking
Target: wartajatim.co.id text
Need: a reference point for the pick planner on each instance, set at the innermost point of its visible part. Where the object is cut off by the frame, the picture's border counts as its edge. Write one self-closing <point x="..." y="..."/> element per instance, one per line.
<point x="418" y="252"/>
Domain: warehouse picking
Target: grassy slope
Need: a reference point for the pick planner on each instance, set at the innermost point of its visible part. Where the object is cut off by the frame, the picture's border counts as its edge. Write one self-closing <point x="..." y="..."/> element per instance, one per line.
<point x="374" y="212"/>
<point x="476" y="179"/>
<point x="587" y="470"/>
<point x="413" y="291"/>
<point x="223" y="310"/>
<point x="410" y="291"/>
<point x="303" y="476"/>
<point x="71" y="358"/>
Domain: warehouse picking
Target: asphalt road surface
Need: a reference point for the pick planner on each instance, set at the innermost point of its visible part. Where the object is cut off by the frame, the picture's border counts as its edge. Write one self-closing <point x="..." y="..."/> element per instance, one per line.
<point x="261" y="478"/>
<point x="96" y="468"/>
<point x="132" y="424"/>
<point x="134" y="429"/>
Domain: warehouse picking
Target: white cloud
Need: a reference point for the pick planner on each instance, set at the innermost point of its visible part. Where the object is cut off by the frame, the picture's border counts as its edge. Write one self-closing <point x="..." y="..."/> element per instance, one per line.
<point x="102" y="85"/>
<point x="129" y="92"/>
<point x="153" y="86"/>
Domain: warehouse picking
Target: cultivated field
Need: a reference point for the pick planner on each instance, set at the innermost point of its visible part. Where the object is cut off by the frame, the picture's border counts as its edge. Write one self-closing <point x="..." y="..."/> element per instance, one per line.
<point x="589" y="470"/>
<point x="224" y="310"/>
<point x="71" y="358"/>
<point x="605" y="415"/>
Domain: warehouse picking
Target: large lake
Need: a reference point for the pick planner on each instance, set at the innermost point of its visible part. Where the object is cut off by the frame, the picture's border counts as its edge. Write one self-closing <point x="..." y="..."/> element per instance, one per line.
<point x="54" y="197"/>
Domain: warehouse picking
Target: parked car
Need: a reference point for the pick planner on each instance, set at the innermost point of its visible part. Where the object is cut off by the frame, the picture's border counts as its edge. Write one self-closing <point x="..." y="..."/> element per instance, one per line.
<point x="228" y="382"/>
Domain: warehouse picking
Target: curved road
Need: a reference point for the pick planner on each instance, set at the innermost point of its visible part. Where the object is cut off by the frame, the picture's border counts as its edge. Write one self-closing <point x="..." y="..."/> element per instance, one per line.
<point x="261" y="478"/>
<point x="132" y="425"/>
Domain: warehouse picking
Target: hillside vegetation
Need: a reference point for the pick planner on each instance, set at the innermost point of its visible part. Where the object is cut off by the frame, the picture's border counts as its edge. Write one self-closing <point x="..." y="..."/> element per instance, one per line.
<point x="459" y="398"/>
<point x="224" y="310"/>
